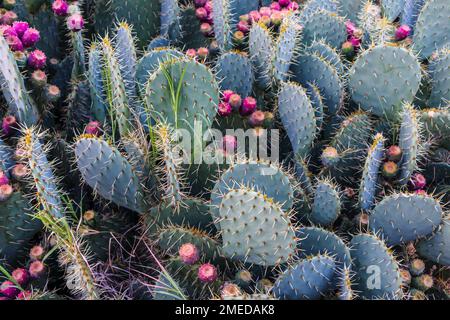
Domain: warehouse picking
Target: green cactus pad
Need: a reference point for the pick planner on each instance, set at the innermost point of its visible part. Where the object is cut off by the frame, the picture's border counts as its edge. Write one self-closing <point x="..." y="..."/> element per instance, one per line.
<point x="383" y="78"/>
<point x="324" y="25"/>
<point x="308" y="279"/>
<point x="18" y="227"/>
<point x="322" y="49"/>
<point x="401" y="218"/>
<point x="313" y="241"/>
<point x="326" y="207"/>
<point x="409" y="140"/>
<point x="186" y="33"/>
<point x="234" y="72"/>
<point x="312" y="6"/>
<point x="437" y="247"/>
<point x="315" y="69"/>
<point x="440" y="79"/>
<point x="222" y="16"/>
<point x="108" y="173"/>
<point x="392" y="8"/>
<point x="436" y="125"/>
<point x="255" y="229"/>
<point x="260" y="45"/>
<point x="297" y="116"/>
<point x="432" y="30"/>
<point x="377" y="273"/>
<point x="350" y="9"/>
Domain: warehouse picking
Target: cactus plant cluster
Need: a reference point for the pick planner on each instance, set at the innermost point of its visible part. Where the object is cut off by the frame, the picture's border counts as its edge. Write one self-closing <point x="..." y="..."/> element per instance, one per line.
<point x="135" y="143"/>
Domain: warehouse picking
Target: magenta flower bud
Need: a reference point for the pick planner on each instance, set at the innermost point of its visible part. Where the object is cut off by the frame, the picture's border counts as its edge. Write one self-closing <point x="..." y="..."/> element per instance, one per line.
<point x="284" y="3"/>
<point x="256" y="119"/>
<point x="30" y="37"/>
<point x="226" y="95"/>
<point x="265" y="11"/>
<point x="350" y="26"/>
<point x="14" y="43"/>
<point x="20" y="27"/>
<point x="60" y="8"/>
<point x="243" y="26"/>
<point x="347" y="48"/>
<point x="8" y="17"/>
<point x="201" y="13"/>
<point x="189" y="253"/>
<point x="394" y="153"/>
<point x="207" y="273"/>
<point x="420" y="192"/>
<point x="254" y="16"/>
<point x="224" y="109"/>
<point x="191" y="53"/>
<point x="37" y="59"/>
<point x="19" y="171"/>
<point x="8" y="124"/>
<point x="206" y="28"/>
<point x="293" y="6"/>
<point x="75" y="22"/>
<point x="235" y="101"/>
<point x="21" y="276"/>
<point x="418" y="181"/>
<point x="229" y="143"/>
<point x="355" y="42"/>
<point x="8" y="289"/>
<point x="203" y="52"/>
<point x="37" y="252"/>
<point x="208" y="6"/>
<point x="402" y="32"/>
<point x="275" y="6"/>
<point x="6" y="191"/>
<point x="3" y="178"/>
<point x="265" y="20"/>
<point x="248" y="106"/>
<point x="93" y="127"/>
<point x="10" y="32"/>
<point x="200" y="3"/>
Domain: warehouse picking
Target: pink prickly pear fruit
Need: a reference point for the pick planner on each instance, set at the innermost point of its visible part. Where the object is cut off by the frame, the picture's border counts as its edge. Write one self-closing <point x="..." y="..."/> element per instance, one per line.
<point x="224" y="109"/>
<point x="265" y="11"/>
<point x="230" y="289"/>
<point x="20" y="27"/>
<point x="293" y="6"/>
<point x="3" y="178"/>
<point x="6" y="191"/>
<point x="94" y="128"/>
<point x="52" y="93"/>
<point x="36" y="269"/>
<point x="418" y="181"/>
<point x="200" y="3"/>
<point x="238" y="37"/>
<point x="19" y="172"/>
<point x="75" y="22"/>
<point x="30" y="37"/>
<point x="235" y="101"/>
<point x="284" y="3"/>
<point x="420" y="192"/>
<point x="37" y="59"/>
<point x="254" y="16"/>
<point x="402" y="32"/>
<point x="8" y="17"/>
<point x="226" y="95"/>
<point x="9" y="31"/>
<point x="243" y="26"/>
<point x="256" y="119"/>
<point x="265" y="20"/>
<point x="189" y="253"/>
<point x="248" y="106"/>
<point x="348" y="49"/>
<point x="207" y="273"/>
<point x="276" y="18"/>
<point x="275" y="6"/>
<point x="60" y="8"/>
<point x="206" y="29"/>
<point x="203" y="52"/>
<point x="229" y="144"/>
<point x="37" y="252"/>
<point x="417" y="267"/>
<point x="14" y="43"/>
<point x="39" y="78"/>
<point x="356" y="42"/>
<point x="9" y="124"/>
<point x="329" y="156"/>
<point x="390" y="169"/>
<point x="350" y="27"/>
<point x="9" y="289"/>
<point x="201" y="13"/>
<point x="21" y="276"/>
<point x="208" y="6"/>
<point x="191" y="53"/>
<point x="394" y="153"/>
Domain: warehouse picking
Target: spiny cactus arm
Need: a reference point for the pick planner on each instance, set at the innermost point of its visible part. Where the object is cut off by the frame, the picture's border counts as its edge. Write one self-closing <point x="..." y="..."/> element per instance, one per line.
<point x="326" y="207"/>
<point x="260" y="45"/>
<point x="20" y="103"/>
<point x="97" y="86"/>
<point x="222" y="16"/>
